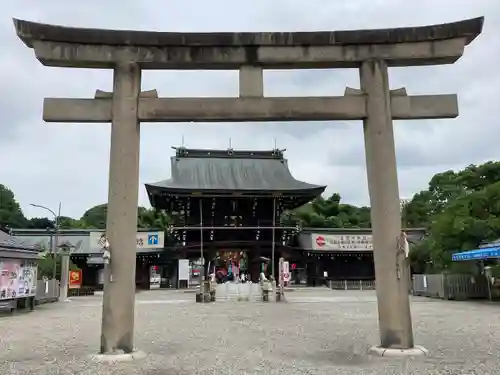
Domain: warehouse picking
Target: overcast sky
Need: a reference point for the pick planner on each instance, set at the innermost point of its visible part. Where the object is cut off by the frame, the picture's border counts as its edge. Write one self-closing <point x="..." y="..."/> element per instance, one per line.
<point x="48" y="163"/>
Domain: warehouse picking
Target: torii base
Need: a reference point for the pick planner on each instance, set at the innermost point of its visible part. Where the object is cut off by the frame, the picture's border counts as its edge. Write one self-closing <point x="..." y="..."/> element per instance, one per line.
<point x="118" y="357"/>
<point x="417" y="350"/>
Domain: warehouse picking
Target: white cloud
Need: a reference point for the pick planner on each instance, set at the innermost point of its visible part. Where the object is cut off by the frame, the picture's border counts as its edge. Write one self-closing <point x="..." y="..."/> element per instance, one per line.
<point x="48" y="163"/>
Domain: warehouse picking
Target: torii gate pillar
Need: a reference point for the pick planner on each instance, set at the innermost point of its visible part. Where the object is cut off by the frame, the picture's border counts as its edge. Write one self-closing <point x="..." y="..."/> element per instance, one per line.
<point x="121" y="224"/>
<point x="392" y="284"/>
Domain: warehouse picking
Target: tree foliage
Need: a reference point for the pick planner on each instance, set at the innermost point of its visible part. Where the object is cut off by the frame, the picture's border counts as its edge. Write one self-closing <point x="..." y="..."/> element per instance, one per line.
<point x="11" y="215"/>
<point x="460" y="209"/>
<point x="49" y="265"/>
<point x="328" y="213"/>
<point x="95" y="217"/>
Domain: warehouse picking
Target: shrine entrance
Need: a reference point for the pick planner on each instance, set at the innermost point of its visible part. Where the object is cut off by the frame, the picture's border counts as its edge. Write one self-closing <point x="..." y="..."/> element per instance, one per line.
<point x="227" y="265"/>
<point x="372" y="52"/>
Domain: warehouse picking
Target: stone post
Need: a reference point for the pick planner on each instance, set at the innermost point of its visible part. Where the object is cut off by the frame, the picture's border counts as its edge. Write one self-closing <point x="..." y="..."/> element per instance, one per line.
<point x="251" y="82"/>
<point x="391" y="280"/>
<point x="63" y="294"/>
<point x="121" y="226"/>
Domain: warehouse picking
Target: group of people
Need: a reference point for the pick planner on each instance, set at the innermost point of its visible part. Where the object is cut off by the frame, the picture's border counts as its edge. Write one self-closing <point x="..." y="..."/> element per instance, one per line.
<point x="234" y="268"/>
<point x="222" y="276"/>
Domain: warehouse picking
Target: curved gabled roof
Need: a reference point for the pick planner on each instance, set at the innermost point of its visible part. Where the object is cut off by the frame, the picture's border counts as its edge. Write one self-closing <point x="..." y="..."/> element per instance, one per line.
<point x="227" y="171"/>
<point x="13" y="247"/>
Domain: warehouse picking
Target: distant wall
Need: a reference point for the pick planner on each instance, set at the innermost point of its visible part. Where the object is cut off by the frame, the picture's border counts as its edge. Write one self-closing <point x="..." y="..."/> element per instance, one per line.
<point x="451" y="287"/>
<point x="47" y="291"/>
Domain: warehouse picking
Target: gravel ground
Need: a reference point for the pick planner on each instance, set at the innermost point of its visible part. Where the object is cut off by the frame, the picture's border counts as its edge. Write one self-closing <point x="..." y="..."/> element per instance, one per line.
<point x="315" y="332"/>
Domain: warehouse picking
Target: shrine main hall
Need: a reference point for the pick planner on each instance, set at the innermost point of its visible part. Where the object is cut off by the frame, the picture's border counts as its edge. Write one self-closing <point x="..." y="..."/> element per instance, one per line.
<point x="226" y="204"/>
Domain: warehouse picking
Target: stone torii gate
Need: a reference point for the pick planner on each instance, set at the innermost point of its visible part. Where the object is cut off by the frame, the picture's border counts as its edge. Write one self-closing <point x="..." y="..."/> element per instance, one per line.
<point x="370" y="51"/>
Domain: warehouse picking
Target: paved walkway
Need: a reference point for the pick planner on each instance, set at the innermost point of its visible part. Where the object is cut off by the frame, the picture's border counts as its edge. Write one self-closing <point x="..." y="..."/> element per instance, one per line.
<point x="325" y="332"/>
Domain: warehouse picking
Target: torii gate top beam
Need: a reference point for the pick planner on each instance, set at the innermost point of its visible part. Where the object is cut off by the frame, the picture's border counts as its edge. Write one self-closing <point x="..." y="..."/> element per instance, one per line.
<point x="100" y="48"/>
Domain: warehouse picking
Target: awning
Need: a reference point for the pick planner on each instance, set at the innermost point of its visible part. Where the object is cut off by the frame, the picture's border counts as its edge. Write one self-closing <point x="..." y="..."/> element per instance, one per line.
<point x="477" y="254"/>
<point x="96" y="260"/>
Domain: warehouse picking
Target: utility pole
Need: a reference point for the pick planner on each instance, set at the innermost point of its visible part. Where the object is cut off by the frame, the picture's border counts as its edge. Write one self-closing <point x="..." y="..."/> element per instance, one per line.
<point x="63" y="294"/>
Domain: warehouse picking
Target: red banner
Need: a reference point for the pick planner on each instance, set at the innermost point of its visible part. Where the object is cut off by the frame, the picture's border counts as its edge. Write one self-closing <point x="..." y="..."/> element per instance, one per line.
<point x="75" y="279"/>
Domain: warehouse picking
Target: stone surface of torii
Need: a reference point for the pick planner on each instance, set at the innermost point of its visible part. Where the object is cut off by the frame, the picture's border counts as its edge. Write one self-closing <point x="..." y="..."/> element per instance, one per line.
<point x="370" y="51"/>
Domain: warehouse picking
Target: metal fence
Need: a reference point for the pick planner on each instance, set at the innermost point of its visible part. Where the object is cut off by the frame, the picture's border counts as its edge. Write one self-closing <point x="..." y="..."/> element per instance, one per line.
<point x="352" y="284"/>
<point x="47" y="291"/>
<point x="444" y="286"/>
<point x="82" y="291"/>
<point x="454" y="287"/>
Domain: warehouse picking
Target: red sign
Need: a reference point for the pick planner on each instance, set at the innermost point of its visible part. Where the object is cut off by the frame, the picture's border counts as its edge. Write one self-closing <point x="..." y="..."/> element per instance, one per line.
<point x="320" y="241"/>
<point x="75" y="279"/>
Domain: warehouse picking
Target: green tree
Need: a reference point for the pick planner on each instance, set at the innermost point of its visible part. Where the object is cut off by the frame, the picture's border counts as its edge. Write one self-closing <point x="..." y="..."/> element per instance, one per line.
<point x="328" y="213"/>
<point x="95" y="217"/>
<point x="468" y="221"/>
<point x="66" y="222"/>
<point x="11" y="215"/>
<point x="419" y="210"/>
<point x="46" y="266"/>
<point x="447" y="186"/>
<point x="40" y="223"/>
<point x="152" y="218"/>
<point x="461" y="210"/>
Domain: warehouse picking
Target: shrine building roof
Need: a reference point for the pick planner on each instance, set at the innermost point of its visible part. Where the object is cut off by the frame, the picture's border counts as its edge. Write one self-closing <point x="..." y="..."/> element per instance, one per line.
<point x="13" y="247"/>
<point x="231" y="171"/>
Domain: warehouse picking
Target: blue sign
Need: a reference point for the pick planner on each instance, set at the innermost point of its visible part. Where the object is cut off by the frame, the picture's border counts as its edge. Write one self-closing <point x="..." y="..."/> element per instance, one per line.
<point x="152" y="239"/>
<point x="479" y="254"/>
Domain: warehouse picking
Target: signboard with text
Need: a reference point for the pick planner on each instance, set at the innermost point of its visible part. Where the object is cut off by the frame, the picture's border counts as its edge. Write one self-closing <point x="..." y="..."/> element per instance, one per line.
<point x="18" y="278"/>
<point x="75" y="279"/>
<point x="144" y="240"/>
<point x="342" y="242"/>
<point x="287" y="277"/>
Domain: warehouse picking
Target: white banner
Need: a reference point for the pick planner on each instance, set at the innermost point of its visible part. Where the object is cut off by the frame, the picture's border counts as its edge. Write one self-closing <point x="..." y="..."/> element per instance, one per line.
<point x="183" y="269"/>
<point x="286" y="272"/>
<point x="342" y="242"/>
<point x="144" y="240"/>
<point x="18" y="278"/>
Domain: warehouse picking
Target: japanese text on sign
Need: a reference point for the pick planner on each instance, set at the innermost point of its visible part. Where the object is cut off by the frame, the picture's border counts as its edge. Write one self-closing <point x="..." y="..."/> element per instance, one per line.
<point x="359" y="242"/>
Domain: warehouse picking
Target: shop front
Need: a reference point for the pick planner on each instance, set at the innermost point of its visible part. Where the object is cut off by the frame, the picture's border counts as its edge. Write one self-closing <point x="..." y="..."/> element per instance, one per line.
<point x="337" y="256"/>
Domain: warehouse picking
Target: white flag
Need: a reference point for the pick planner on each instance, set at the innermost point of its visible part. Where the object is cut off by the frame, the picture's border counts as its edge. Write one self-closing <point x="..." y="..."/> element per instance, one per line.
<point x="406" y="245"/>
